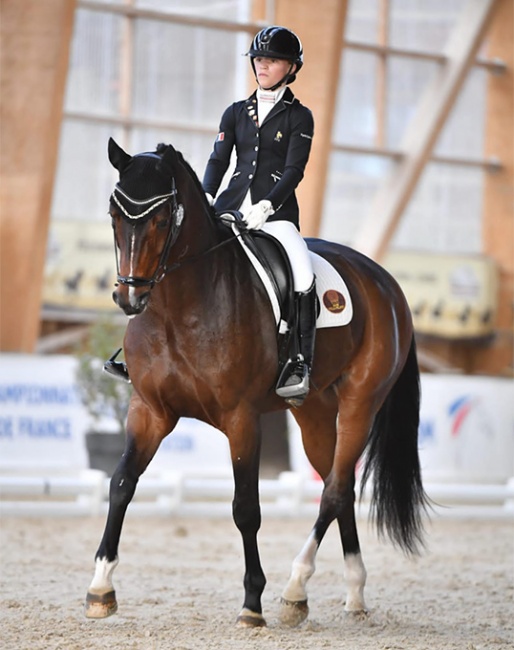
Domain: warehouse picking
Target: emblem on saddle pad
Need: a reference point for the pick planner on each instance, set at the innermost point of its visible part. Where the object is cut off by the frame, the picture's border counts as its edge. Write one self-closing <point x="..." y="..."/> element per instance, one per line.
<point x="334" y="301"/>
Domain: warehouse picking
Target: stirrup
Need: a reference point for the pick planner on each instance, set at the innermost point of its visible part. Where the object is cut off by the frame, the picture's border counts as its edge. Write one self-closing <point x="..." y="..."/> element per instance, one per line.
<point x="294" y="380"/>
<point x="117" y="369"/>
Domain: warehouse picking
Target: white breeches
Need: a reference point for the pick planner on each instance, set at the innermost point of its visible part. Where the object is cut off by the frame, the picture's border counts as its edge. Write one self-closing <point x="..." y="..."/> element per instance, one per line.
<point x="297" y="251"/>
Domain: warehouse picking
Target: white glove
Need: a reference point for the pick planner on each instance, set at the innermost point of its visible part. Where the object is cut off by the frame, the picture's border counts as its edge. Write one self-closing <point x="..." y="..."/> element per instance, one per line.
<point x="210" y="199"/>
<point x="257" y="214"/>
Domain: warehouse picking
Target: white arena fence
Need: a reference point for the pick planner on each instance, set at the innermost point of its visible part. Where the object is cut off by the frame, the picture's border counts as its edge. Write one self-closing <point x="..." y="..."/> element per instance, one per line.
<point x="466" y="452"/>
<point x="178" y="494"/>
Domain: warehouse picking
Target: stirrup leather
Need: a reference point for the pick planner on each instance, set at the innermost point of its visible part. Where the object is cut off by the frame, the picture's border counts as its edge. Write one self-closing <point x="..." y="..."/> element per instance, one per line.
<point x="117" y="369"/>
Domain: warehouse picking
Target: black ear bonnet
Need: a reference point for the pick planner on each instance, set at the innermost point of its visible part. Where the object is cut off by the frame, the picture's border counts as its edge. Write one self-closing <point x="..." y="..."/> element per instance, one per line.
<point x="146" y="182"/>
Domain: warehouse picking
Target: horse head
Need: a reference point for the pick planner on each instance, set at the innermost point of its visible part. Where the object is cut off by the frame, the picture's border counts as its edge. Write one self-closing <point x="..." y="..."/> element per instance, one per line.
<point x="146" y="220"/>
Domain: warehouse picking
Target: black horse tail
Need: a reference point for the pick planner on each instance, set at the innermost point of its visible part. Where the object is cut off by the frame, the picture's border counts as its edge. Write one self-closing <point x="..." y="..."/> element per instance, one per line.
<point x="398" y="499"/>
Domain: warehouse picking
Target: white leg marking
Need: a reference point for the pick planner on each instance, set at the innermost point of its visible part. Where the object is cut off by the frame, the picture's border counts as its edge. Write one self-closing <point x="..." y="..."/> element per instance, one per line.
<point x="303" y="569"/>
<point x="355" y="576"/>
<point x="102" y="580"/>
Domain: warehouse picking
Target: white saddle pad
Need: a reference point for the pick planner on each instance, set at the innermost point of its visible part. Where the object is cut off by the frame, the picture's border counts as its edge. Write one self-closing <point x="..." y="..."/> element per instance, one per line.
<point x="335" y="302"/>
<point x="334" y="298"/>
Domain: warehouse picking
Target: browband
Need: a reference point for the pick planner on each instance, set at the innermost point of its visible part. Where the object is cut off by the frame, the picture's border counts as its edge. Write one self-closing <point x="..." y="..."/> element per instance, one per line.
<point x="155" y="201"/>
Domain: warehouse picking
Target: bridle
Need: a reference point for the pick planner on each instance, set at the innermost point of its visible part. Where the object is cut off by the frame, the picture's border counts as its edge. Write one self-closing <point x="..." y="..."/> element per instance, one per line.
<point x="177" y="218"/>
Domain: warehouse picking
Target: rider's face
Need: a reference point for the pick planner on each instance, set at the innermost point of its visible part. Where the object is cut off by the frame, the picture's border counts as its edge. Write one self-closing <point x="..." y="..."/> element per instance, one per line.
<point x="270" y="71"/>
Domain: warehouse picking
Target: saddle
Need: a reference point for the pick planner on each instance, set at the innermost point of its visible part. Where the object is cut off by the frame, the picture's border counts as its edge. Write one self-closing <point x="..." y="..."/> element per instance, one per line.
<point x="274" y="260"/>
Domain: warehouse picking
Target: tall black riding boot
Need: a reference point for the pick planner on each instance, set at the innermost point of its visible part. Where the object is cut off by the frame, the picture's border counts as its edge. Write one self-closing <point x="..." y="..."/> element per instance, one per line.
<point x="294" y="380"/>
<point x="117" y="369"/>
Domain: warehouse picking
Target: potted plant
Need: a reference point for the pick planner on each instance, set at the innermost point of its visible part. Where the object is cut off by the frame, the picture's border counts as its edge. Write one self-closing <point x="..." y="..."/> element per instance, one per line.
<point x="105" y="398"/>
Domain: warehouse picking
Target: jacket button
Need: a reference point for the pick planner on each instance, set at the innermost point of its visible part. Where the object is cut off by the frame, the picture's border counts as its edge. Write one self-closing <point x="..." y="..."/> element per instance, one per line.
<point x="250" y="175"/>
<point x="256" y="149"/>
<point x="253" y="163"/>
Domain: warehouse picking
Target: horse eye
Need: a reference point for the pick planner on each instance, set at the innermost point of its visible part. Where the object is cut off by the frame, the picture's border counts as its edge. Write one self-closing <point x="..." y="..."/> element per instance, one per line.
<point x="162" y="222"/>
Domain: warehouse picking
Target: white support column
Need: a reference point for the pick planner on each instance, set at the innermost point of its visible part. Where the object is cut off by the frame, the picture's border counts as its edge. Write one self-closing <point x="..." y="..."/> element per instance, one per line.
<point x="421" y="134"/>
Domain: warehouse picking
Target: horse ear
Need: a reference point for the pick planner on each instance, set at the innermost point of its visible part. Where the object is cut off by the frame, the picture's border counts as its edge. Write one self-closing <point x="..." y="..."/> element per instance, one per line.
<point x="119" y="158"/>
<point x="165" y="165"/>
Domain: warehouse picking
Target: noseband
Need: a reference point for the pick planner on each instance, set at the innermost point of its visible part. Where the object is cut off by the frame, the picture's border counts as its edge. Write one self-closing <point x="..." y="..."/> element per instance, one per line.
<point x="177" y="217"/>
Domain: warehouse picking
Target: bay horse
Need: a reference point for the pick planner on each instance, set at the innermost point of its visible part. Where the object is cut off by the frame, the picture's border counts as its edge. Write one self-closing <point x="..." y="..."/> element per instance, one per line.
<point x="202" y="343"/>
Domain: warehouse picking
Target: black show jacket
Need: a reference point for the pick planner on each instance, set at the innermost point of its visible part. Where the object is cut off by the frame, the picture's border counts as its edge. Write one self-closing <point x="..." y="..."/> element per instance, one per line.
<point x="270" y="160"/>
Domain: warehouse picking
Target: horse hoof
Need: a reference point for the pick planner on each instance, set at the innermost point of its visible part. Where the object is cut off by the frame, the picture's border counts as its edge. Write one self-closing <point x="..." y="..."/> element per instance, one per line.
<point x="293" y="613"/>
<point x="357" y="614"/>
<point x="247" y="618"/>
<point x="101" y="606"/>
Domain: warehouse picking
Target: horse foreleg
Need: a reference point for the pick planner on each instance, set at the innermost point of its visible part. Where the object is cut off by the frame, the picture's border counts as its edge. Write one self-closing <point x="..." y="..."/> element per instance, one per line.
<point x="101" y="597"/>
<point x="139" y="450"/>
<point x="245" y="450"/>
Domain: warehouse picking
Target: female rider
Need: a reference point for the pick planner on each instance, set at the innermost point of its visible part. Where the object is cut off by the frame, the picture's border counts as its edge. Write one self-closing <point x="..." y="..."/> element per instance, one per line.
<point x="272" y="135"/>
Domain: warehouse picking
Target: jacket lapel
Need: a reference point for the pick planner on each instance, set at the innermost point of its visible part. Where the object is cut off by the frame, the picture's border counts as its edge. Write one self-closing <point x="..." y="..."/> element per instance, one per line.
<point x="251" y="109"/>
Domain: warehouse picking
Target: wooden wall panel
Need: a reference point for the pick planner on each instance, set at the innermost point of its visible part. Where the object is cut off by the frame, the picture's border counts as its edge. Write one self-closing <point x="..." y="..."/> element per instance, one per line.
<point x="320" y="26"/>
<point x="35" y="42"/>
<point x="498" y="208"/>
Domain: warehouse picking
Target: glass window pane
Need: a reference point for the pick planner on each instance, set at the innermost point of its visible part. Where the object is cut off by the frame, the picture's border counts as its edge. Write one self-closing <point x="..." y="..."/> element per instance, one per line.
<point x="93" y="78"/>
<point x="463" y="133"/>
<point x="444" y="214"/>
<point x="362" y="21"/>
<point x="85" y="177"/>
<point x="233" y="10"/>
<point x="195" y="147"/>
<point x="355" y="114"/>
<point x="174" y="75"/>
<point x="352" y="182"/>
<point x="407" y="79"/>
<point x="423" y="24"/>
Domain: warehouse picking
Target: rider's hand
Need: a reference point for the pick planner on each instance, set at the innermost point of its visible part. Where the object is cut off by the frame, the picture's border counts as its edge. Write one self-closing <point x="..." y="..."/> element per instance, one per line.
<point x="257" y="214"/>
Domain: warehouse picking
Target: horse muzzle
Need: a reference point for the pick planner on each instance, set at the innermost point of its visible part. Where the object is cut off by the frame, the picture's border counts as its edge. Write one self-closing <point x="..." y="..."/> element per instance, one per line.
<point x="131" y="300"/>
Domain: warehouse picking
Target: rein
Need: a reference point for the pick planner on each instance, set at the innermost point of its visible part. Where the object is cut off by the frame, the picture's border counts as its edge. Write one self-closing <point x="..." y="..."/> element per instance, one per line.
<point x="173" y="232"/>
<point x="194" y="258"/>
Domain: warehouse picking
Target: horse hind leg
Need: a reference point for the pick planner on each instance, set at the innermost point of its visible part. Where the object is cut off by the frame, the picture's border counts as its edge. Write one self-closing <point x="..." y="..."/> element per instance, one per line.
<point x="337" y="502"/>
<point x="294" y="607"/>
<point x="318" y="426"/>
<point x="294" y="601"/>
<point x="354" y="569"/>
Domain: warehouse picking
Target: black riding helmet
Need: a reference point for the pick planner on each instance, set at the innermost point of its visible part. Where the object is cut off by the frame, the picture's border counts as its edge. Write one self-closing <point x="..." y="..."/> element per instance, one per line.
<point x="278" y="43"/>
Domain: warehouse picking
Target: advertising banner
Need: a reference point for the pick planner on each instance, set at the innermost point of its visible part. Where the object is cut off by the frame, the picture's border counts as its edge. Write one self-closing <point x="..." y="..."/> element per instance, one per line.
<point x="80" y="269"/>
<point x="43" y="423"/>
<point x="466" y="430"/>
<point x="452" y="296"/>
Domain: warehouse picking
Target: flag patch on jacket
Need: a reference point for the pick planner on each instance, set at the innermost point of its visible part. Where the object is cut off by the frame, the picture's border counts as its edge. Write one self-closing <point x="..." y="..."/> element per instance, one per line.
<point x="220" y="137"/>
